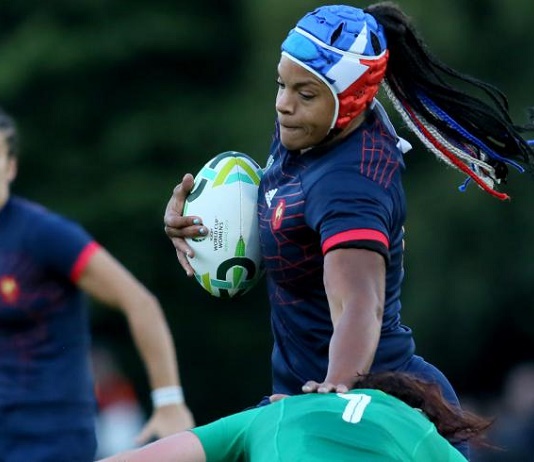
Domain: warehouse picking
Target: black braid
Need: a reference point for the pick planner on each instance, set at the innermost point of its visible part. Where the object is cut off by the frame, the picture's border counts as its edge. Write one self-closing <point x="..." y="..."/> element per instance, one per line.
<point x="413" y="71"/>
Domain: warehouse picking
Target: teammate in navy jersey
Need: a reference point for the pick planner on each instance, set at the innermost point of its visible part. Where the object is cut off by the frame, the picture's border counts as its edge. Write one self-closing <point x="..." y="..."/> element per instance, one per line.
<point x="47" y="264"/>
<point x="331" y="204"/>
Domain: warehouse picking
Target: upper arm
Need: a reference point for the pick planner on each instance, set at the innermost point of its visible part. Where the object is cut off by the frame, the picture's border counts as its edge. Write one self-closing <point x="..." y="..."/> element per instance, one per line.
<point x="354" y="218"/>
<point x="348" y="210"/>
<point x="354" y="278"/>
<point x="184" y="447"/>
<point x="108" y="281"/>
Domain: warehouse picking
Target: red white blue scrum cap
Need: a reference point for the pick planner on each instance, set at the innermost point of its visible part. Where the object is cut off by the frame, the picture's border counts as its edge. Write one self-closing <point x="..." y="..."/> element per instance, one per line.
<point x="345" y="48"/>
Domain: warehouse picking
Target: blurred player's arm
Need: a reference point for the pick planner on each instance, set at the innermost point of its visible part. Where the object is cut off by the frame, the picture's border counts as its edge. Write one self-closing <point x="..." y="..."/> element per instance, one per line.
<point x="181" y="447"/>
<point x="109" y="282"/>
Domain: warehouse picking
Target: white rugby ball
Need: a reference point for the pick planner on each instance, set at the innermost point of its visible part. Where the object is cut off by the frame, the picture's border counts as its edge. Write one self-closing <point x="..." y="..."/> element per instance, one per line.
<point x="227" y="260"/>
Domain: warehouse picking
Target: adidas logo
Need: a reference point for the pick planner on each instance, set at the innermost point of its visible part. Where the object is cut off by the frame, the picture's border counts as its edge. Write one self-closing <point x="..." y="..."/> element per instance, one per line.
<point x="269" y="196"/>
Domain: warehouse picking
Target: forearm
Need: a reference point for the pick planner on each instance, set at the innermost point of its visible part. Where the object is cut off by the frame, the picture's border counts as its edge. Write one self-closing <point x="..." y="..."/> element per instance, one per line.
<point x="154" y="342"/>
<point x="353" y="346"/>
<point x="182" y="447"/>
<point x="109" y="282"/>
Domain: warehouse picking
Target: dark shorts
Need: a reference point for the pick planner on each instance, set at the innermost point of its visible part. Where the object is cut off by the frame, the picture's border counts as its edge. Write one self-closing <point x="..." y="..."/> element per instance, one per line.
<point x="46" y="434"/>
<point x="419" y="367"/>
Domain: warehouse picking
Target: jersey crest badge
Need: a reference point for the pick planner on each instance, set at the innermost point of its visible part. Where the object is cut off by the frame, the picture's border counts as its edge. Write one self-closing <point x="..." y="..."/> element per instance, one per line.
<point x="9" y="289"/>
<point x="278" y="214"/>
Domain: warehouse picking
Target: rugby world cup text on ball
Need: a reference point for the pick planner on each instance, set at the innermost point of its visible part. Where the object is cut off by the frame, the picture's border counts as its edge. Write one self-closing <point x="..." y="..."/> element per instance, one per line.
<point x="219" y="235"/>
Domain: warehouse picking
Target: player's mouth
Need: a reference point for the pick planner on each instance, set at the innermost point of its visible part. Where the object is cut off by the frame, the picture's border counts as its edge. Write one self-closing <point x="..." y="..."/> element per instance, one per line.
<point x="289" y="127"/>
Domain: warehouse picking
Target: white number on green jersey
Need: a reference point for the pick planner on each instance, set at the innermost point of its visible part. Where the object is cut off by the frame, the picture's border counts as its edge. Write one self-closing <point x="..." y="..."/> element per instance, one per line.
<point x="355" y="407"/>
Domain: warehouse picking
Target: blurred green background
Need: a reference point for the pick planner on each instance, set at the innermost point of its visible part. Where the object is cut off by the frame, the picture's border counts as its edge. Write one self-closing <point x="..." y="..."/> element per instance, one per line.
<point x="117" y="100"/>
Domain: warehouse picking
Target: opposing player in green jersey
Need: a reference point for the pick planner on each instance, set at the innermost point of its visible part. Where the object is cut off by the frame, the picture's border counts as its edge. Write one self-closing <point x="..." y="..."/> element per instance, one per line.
<point x="390" y="417"/>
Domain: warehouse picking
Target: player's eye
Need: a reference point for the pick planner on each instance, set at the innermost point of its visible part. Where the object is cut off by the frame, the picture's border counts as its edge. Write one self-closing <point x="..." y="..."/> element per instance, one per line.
<point x="306" y="96"/>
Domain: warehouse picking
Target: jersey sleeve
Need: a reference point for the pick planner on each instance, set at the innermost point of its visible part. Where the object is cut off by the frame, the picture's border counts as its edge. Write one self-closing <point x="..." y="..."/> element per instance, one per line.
<point x="224" y="439"/>
<point x="350" y="210"/>
<point x="62" y="245"/>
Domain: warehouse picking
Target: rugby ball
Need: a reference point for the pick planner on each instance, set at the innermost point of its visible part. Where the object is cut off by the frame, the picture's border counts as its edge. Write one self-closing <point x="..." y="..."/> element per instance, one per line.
<point x="227" y="259"/>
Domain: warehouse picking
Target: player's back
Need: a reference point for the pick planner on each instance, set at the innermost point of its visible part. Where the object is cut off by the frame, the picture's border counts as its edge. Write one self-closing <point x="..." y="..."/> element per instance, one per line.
<point x="361" y="425"/>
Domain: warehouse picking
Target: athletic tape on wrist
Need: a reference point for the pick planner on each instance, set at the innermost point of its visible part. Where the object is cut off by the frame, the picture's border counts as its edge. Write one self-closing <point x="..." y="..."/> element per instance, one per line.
<point x="167" y="395"/>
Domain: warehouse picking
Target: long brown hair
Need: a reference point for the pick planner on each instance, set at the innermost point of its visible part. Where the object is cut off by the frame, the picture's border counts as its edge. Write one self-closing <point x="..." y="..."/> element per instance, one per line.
<point x="452" y="423"/>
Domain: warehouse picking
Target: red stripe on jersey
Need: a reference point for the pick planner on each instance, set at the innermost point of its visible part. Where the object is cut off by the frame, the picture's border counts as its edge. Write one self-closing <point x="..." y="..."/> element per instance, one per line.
<point x="355" y="235"/>
<point x="83" y="260"/>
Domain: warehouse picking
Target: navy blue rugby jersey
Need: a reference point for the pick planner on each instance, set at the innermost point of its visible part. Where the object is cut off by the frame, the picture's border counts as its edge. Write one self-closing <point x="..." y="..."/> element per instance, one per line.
<point x="44" y="327"/>
<point x="348" y="194"/>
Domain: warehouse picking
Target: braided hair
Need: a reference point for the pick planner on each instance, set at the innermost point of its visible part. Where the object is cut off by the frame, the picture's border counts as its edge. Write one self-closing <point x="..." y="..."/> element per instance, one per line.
<point x="468" y="133"/>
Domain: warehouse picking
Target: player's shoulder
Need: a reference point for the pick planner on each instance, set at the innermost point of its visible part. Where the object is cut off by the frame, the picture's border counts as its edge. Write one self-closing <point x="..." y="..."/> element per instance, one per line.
<point x="34" y="210"/>
<point x="26" y="215"/>
<point x="23" y="205"/>
<point x="29" y="208"/>
<point x="35" y="216"/>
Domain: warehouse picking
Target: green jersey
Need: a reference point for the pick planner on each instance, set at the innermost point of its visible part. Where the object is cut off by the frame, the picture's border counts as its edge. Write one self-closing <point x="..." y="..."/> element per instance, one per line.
<point x="362" y="425"/>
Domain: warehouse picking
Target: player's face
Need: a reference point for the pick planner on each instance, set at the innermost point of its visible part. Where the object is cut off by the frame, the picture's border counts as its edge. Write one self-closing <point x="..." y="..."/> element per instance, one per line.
<point x="304" y="104"/>
<point x="8" y="170"/>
